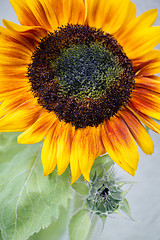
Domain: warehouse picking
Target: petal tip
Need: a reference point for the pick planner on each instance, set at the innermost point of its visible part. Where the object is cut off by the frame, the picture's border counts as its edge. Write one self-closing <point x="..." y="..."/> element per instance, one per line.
<point x="45" y="173"/>
<point x="19" y="139"/>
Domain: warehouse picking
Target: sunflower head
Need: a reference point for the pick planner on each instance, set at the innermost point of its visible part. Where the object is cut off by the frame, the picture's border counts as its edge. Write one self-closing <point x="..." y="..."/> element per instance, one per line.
<point x="80" y="75"/>
<point x="84" y="79"/>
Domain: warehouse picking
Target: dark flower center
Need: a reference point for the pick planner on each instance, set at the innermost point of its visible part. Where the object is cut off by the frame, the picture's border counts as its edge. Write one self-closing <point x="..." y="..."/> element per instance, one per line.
<point x="81" y="74"/>
<point x="105" y="192"/>
<point x="86" y="71"/>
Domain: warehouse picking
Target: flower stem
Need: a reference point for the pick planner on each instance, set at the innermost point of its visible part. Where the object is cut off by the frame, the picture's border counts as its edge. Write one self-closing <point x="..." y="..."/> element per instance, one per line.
<point x="95" y="227"/>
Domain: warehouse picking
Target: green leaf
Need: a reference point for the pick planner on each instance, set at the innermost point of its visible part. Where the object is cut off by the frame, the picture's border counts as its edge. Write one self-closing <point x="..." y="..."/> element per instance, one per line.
<point x="79" y="226"/>
<point x="28" y="200"/>
<point x="81" y="188"/>
<point x="55" y="230"/>
<point x="1" y="236"/>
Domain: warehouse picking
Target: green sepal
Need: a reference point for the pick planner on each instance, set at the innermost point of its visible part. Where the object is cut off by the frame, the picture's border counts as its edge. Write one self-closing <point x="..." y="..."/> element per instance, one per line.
<point x="125" y="208"/>
<point x="122" y="183"/>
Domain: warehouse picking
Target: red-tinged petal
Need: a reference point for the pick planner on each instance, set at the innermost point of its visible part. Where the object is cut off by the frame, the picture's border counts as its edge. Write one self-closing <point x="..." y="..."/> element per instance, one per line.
<point x="89" y="148"/>
<point x="148" y="83"/>
<point x="148" y="58"/>
<point x="147" y="121"/>
<point x="138" y="131"/>
<point x="12" y="102"/>
<point x="147" y="102"/>
<point x="151" y="67"/>
<point x="35" y="13"/>
<point x="26" y="37"/>
<point x="20" y="118"/>
<point x="38" y="130"/>
<point x="120" y="145"/>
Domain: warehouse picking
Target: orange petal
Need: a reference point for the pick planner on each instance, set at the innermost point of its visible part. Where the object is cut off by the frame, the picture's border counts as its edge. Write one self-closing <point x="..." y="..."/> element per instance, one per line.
<point x="108" y="16"/>
<point x="38" y="130"/>
<point x="72" y="11"/>
<point x="89" y="148"/>
<point x="20" y="118"/>
<point x="116" y="17"/>
<point x="14" y="50"/>
<point x="25" y="36"/>
<point x="138" y="131"/>
<point x="18" y="98"/>
<point x="11" y="90"/>
<point x="120" y="144"/>
<point x="35" y="13"/>
<point x="97" y="12"/>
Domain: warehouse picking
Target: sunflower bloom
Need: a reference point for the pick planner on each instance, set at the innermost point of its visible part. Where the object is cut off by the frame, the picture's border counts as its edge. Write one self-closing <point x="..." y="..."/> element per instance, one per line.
<point x="80" y="75"/>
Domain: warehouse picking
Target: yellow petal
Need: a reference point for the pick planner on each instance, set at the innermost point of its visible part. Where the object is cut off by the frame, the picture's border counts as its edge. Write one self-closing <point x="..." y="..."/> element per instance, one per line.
<point x="141" y="42"/>
<point x="116" y="17"/>
<point x="136" y="25"/>
<point x="74" y="159"/>
<point x="64" y="142"/>
<point x="131" y="15"/>
<point x="49" y="150"/>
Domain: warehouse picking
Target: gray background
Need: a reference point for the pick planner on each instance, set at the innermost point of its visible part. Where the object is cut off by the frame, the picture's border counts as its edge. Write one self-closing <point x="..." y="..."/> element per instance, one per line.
<point x="144" y="196"/>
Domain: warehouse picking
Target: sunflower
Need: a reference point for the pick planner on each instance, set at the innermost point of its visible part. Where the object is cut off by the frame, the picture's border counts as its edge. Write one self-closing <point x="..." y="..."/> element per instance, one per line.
<point x="80" y="75"/>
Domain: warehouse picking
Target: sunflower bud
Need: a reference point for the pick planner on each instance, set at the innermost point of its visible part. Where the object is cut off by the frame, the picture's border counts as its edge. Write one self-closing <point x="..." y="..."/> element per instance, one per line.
<point x="105" y="195"/>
